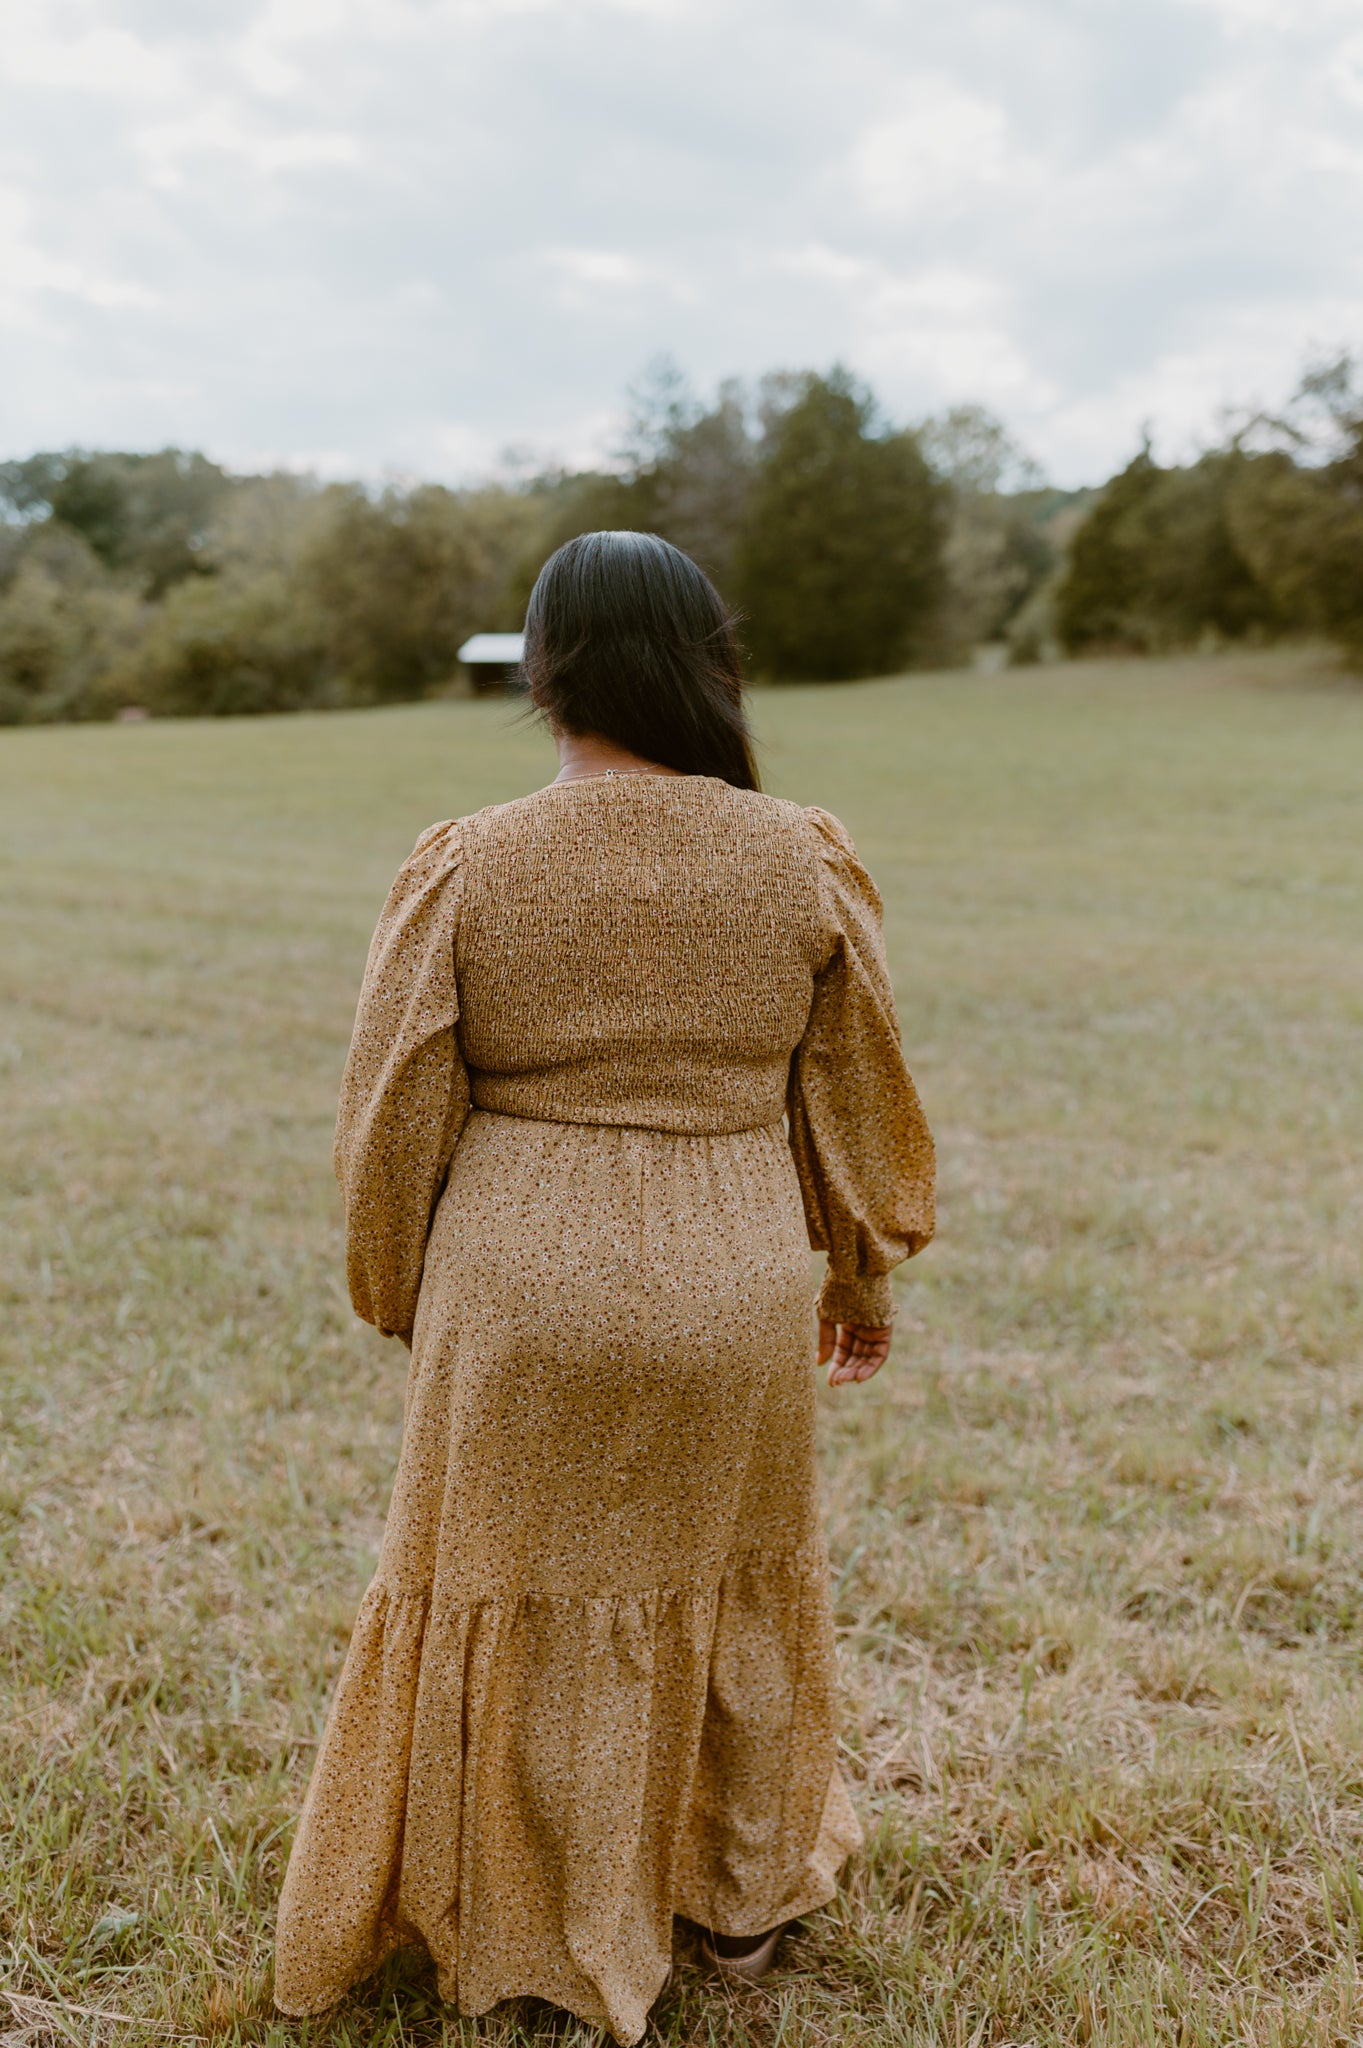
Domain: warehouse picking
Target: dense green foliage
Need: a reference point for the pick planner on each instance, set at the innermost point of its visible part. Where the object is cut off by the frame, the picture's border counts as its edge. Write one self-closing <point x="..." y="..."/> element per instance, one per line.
<point x="1004" y="532"/>
<point x="848" y="547"/>
<point x="823" y="526"/>
<point x="146" y="514"/>
<point x="283" y="595"/>
<point x="1156" y="564"/>
<point x="161" y="582"/>
<point x="1256" y="540"/>
<point x="840" y="561"/>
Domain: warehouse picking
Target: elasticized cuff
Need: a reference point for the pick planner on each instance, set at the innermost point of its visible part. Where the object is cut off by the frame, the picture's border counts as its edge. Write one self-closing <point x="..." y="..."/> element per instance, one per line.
<point x="867" y="1300"/>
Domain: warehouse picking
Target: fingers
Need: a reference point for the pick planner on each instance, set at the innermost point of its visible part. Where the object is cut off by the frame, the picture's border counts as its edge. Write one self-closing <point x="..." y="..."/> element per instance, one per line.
<point x="827" y="1338"/>
<point x="857" y="1353"/>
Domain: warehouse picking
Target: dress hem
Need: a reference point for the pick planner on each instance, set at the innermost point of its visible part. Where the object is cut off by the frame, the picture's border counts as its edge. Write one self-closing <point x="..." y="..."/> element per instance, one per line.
<point x="808" y="1900"/>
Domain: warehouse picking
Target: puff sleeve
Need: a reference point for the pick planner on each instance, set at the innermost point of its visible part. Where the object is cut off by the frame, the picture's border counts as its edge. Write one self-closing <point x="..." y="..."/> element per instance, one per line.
<point x="405" y="1092"/>
<point x="862" y="1147"/>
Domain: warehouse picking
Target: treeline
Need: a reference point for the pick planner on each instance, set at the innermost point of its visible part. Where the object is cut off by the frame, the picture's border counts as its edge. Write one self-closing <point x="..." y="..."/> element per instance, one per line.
<point x="1260" y="539"/>
<point x="850" y="546"/>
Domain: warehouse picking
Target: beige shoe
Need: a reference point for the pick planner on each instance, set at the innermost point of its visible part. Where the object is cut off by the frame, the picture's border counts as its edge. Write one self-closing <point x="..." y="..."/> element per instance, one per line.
<point x="751" y="1964"/>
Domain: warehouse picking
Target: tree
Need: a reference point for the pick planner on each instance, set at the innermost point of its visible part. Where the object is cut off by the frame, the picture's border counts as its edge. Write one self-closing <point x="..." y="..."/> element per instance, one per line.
<point x="400" y="581"/>
<point x="685" y="472"/>
<point x="1157" y="563"/>
<point x="689" y="470"/>
<point x="840" y="564"/>
<point x="222" y="646"/>
<point x="1302" y="532"/>
<point x="971" y="449"/>
<point x="997" y="551"/>
<point x="65" y="626"/>
<point x="558" y="507"/>
<point x="1095" y="604"/>
<point x="1297" y="512"/>
<point x="244" y="636"/>
<point x="319" y="597"/>
<point x="146" y="515"/>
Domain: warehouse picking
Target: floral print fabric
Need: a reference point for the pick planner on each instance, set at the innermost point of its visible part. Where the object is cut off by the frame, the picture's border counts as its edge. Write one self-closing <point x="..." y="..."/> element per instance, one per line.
<point x="591" y="1685"/>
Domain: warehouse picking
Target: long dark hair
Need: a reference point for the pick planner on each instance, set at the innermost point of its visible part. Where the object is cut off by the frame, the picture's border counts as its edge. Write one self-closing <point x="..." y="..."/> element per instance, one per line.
<point x="626" y="637"/>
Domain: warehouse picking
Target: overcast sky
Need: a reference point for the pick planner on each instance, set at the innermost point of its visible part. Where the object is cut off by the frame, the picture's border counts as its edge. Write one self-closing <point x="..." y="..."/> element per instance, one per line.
<point x="396" y="236"/>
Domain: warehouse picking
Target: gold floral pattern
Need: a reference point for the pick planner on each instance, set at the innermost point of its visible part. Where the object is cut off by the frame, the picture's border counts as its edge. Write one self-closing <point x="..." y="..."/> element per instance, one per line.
<point x="591" y="1685"/>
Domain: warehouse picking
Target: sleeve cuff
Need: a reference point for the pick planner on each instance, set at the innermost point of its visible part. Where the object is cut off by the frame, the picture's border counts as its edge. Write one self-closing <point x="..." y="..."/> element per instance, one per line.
<point x="867" y="1300"/>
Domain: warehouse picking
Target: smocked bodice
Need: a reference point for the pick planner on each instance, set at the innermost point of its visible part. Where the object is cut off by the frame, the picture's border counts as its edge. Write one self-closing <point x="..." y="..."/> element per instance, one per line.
<point x="638" y="950"/>
<point x="667" y="953"/>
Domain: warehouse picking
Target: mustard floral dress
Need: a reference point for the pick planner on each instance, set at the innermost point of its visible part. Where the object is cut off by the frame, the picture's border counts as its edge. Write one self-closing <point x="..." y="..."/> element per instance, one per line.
<point x="592" y="1684"/>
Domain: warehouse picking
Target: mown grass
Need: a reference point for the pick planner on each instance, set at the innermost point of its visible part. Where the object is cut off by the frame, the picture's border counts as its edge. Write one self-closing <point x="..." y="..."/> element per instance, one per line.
<point x="1097" y="1530"/>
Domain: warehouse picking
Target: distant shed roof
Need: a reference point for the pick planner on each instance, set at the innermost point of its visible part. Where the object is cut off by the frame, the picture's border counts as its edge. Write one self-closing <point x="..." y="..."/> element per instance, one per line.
<point x="493" y="647"/>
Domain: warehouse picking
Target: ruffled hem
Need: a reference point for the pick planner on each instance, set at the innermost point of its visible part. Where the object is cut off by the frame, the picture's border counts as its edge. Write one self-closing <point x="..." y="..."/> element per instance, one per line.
<point x="530" y="1787"/>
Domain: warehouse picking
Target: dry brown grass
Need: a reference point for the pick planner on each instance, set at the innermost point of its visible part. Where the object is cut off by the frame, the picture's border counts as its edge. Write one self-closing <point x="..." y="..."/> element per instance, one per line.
<point x="1097" y="1531"/>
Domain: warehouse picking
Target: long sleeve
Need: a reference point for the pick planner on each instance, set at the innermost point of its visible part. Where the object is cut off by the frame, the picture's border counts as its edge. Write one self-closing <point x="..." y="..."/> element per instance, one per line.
<point x="862" y="1147"/>
<point x="405" y="1093"/>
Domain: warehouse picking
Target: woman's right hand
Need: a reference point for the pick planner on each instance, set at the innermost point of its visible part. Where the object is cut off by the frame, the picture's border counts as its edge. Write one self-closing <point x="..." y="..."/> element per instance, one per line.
<point x="857" y="1351"/>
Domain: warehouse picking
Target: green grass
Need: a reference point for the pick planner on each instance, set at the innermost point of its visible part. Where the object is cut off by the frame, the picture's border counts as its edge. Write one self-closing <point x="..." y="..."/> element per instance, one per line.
<point x="1097" y="1530"/>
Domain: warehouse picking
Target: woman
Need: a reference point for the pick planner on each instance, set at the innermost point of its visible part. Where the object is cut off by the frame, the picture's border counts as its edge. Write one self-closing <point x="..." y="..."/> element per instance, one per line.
<point x="591" y="1685"/>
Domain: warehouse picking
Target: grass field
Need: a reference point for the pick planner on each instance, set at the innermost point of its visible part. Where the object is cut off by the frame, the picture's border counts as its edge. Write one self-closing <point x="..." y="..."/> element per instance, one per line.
<point x="1097" y="1530"/>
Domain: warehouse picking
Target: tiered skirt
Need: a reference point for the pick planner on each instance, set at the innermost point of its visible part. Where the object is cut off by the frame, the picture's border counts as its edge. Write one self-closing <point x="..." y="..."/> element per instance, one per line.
<point x="591" y="1685"/>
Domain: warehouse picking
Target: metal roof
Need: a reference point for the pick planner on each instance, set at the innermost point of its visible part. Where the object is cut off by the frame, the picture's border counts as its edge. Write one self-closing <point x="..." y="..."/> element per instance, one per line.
<point x="493" y="647"/>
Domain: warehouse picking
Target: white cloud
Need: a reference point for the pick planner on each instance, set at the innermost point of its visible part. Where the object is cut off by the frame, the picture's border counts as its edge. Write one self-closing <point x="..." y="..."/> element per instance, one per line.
<point x="944" y="147"/>
<point x="165" y="146"/>
<point x="1186" y="395"/>
<point x="403" y="234"/>
<point x="31" y="276"/>
<point x="1346" y="71"/>
<point x="1286" y="15"/>
<point x="815" y="260"/>
<point x="597" y="266"/>
<point x="73" y="51"/>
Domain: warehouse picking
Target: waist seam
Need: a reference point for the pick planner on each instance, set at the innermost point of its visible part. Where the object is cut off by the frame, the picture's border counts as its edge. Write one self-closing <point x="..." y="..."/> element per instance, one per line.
<point x="596" y="1123"/>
